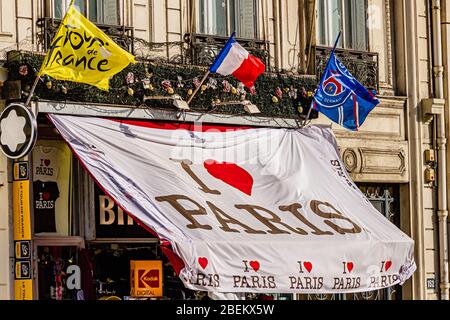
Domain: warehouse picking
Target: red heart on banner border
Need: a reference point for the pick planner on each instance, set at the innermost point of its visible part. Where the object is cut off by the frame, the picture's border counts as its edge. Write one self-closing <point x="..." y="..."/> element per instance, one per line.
<point x="387" y="265"/>
<point x="350" y="266"/>
<point x="203" y="262"/>
<point x="231" y="174"/>
<point x="308" y="266"/>
<point x="255" y="265"/>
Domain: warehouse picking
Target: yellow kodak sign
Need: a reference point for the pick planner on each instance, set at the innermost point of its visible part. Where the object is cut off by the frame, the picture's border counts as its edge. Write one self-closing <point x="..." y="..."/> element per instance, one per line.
<point x="146" y="278"/>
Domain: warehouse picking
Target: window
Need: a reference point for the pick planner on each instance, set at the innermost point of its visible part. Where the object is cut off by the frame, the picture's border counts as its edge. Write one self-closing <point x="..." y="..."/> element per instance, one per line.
<point x="53" y="190"/>
<point x="61" y="6"/>
<point x="104" y="11"/>
<point x="222" y="17"/>
<point x="98" y="11"/>
<point x="346" y="15"/>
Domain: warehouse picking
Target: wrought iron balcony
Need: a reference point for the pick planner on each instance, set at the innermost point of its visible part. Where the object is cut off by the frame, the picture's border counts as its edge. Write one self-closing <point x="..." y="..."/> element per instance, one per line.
<point x="361" y="64"/>
<point x="47" y="28"/>
<point x="204" y="48"/>
<point x="196" y="49"/>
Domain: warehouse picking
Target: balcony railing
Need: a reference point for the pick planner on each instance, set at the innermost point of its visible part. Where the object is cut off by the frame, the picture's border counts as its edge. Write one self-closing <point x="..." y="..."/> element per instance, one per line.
<point x="204" y="48"/>
<point x="47" y="28"/>
<point x="197" y="49"/>
<point x="361" y="64"/>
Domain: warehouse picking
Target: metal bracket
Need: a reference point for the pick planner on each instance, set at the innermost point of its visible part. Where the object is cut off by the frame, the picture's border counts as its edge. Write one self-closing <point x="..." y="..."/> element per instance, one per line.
<point x="431" y="107"/>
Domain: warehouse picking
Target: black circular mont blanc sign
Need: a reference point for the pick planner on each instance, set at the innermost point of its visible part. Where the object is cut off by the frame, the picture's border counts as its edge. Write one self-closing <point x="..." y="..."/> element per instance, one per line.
<point x="18" y="131"/>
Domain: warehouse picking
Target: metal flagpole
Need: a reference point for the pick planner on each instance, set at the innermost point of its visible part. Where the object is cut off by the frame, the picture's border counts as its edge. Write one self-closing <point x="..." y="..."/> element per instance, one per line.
<point x="198" y="87"/>
<point x="38" y="76"/>
<point x="30" y="95"/>
<point x="332" y="52"/>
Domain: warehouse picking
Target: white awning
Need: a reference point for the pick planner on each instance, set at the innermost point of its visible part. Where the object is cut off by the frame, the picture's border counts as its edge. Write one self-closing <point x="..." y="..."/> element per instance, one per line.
<point x="244" y="209"/>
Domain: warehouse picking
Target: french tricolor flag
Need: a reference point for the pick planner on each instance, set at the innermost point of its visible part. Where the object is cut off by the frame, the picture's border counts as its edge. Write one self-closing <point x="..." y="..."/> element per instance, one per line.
<point x="235" y="60"/>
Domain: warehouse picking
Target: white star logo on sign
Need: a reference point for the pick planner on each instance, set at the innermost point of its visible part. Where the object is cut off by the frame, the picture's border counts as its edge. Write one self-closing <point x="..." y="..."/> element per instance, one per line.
<point x="12" y="129"/>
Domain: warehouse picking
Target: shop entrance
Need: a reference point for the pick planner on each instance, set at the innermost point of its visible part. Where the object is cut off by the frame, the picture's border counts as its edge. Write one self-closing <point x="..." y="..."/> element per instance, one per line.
<point x="60" y="269"/>
<point x="116" y="282"/>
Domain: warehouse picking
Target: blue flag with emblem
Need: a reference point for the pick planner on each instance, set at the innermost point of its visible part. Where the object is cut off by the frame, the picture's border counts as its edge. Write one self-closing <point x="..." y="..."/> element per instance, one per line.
<point x="341" y="97"/>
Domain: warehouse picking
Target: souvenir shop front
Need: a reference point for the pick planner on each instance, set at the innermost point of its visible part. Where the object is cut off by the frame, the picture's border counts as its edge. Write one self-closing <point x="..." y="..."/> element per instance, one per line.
<point x="84" y="243"/>
<point x="241" y="226"/>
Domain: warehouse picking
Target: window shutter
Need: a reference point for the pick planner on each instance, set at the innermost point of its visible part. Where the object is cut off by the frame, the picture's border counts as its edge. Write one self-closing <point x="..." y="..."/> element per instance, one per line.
<point x="321" y="23"/>
<point x="110" y="12"/>
<point x="246" y="23"/>
<point x="212" y="17"/>
<point x="219" y="18"/>
<point x="61" y="7"/>
<point x="360" y="25"/>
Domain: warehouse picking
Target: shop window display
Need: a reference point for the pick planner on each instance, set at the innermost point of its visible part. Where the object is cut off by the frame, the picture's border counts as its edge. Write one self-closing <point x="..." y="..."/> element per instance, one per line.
<point x="60" y="273"/>
<point x="115" y="282"/>
<point x="52" y="187"/>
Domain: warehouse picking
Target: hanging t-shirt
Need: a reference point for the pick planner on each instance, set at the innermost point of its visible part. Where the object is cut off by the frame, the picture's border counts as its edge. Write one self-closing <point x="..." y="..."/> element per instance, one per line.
<point x="45" y="163"/>
<point x="45" y="195"/>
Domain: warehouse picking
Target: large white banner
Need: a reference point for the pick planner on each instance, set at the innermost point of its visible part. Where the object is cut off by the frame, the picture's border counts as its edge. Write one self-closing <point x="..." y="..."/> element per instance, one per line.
<point x="247" y="210"/>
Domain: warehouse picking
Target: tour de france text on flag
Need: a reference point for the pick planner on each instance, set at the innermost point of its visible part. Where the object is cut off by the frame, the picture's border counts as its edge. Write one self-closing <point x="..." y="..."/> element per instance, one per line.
<point x="342" y="98"/>
<point x="81" y="52"/>
<point x="236" y="61"/>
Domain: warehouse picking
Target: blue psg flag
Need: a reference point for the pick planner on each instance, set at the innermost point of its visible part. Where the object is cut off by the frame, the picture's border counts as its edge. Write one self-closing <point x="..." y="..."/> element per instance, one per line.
<point x="341" y="97"/>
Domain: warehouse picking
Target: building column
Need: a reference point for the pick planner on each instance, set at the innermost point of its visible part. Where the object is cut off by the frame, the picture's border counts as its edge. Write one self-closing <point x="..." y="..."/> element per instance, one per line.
<point x="5" y="279"/>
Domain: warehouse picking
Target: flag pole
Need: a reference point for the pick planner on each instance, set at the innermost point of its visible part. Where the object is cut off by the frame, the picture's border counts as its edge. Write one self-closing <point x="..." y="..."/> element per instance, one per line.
<point x="198" y="87"/>
<point x="332" y="52"/>
<point x="38" y="76"/>
<point x="209" y="71"/>
<point x="30" y="95"/>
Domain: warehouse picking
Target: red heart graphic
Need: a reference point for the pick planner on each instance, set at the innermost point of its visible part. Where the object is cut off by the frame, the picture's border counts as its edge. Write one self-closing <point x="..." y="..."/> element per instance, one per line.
<point x="308" y="266"/>
<point x="349" y="266"/>
<point x="47" y="162"/>
<point x="231" y="174"/>
<point x="255" y="265"/>
<point x="387" y="265"/>
<point x="46" y="196"/>
<point x="203" y="262"/>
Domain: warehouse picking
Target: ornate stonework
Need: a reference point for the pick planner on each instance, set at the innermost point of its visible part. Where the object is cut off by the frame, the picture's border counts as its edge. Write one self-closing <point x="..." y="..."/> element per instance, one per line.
<point x="350" y="160"/>
<point x="381" y="163"/>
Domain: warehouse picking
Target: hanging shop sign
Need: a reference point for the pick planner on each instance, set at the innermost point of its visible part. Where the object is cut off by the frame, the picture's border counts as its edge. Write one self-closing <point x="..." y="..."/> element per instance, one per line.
<point x="22" y="231"/>
<point x="146" y="278"/>
<point x="245" y="209"/>
<point x="112" y="222"/>
<point x="18" y="131"/>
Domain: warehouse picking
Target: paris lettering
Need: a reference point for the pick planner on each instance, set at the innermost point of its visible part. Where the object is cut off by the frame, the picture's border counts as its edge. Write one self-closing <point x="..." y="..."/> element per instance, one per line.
<point x="347" y="282"/>
<point x="383" y="281"/>
<point x="43" y="201"/>
<point x="336" y="164"/>
<point x="43" y="168"/>
<point x="76" y="40"/>
<point x="206" y="280"/>
<point x="304" y="281"/>
<point x="254" y="282"/>
<point x="332" y="221"/>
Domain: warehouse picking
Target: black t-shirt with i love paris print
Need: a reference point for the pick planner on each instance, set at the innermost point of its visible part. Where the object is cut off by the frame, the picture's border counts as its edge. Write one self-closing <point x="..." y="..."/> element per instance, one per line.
<point x="45" y="196"/>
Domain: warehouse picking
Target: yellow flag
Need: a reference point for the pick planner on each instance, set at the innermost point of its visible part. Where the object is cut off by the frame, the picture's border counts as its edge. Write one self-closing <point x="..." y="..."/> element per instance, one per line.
<point x="81" y="52"/>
